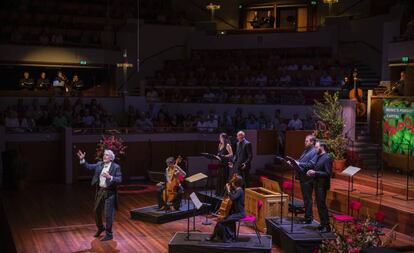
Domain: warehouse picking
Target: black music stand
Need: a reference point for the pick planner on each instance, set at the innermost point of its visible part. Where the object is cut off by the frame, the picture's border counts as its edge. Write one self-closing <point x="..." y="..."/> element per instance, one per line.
<point x="216" y="158"/>
<point x="350" y="172"/>
<point x="407" y="189"/>
<point x="192" y="180"/>
<point x="283" y="160"/>
<point x="295" y="167"/>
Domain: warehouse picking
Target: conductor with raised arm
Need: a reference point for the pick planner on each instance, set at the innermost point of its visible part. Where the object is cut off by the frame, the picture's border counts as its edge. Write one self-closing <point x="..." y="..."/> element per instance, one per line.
<point x="107" y="175"/>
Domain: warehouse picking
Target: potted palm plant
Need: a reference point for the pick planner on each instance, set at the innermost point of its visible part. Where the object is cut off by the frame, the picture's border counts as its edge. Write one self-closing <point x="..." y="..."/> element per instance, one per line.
<point x="330" y="128"/>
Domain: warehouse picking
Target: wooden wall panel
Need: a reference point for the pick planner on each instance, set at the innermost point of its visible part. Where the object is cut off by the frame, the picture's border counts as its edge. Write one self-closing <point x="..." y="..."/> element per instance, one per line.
<point x="295" y="142"/>
<point x="376" y="118"/>
<point x="143" y="156"/>
<point x="45" y="159"/>
<point x="267" y="141"/>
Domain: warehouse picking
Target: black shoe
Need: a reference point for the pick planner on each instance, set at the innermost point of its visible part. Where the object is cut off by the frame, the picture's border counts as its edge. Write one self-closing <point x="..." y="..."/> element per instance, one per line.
<point x="325" y="229"/>
<point x="210" y="238"/>
<point x="306" y="221"/>
<point x="99" y="232"/>
<point x="107" y="237"/>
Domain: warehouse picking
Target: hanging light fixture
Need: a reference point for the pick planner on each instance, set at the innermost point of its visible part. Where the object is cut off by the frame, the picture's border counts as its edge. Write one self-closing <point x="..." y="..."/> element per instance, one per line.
<point x="212" y="8"/>
<point x="330" y="3"/>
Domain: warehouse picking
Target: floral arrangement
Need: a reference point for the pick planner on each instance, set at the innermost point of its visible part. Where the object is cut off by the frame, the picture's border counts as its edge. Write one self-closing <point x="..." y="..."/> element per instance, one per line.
<point x="358" y="236"/>
<point x="113" y="143"/>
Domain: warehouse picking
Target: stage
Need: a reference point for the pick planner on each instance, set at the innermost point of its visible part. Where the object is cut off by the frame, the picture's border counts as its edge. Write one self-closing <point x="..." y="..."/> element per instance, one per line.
<point x="59" y="218"/>
<point x="153" y="215"/>
<point x="300" y="239"/>
<point x="197" y="244"/>
<point x="397" y="211"/>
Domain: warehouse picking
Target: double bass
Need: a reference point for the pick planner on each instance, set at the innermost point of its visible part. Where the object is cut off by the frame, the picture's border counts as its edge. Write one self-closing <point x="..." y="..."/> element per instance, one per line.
<point x="226" y="203"/>
<point x="171" y="188"/>
<point x="357" y="95"/>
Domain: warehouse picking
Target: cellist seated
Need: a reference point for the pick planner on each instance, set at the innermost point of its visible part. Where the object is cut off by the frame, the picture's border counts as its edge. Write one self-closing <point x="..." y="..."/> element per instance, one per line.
<point x="170" y="192"/>
<point x="225" y="229"/>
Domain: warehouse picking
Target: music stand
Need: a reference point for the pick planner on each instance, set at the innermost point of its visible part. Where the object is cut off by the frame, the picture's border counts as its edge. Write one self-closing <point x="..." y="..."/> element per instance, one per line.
<point x="407" y="189"/>
<point x="295" y="167"/>
<point x="350" y="172"/>
<point x="281" y="192"/>
<point x="193" y="179"/>
<point x="216" y="158"/>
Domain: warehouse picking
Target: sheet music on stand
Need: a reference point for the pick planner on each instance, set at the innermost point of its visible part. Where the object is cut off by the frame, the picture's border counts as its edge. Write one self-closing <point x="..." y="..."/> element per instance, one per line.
<point x="350" y="171"/>
<point x="196" y="201"/>
<point x="211" y="156"/>
<point x="196" y="177"/>
<point x="294" y="163"/>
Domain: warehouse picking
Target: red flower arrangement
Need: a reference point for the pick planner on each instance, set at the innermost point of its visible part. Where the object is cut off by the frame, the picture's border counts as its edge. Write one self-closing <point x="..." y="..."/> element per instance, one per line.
<point x="359" y="235"/>
<point x="113" y="143"/>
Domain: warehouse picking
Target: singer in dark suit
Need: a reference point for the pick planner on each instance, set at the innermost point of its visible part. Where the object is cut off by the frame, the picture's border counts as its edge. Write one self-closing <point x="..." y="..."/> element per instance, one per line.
<point x="321" y="170"/>
<point x="243" y="158"/>
<point x="106" y="177"/>
<point x="306" y="183"/>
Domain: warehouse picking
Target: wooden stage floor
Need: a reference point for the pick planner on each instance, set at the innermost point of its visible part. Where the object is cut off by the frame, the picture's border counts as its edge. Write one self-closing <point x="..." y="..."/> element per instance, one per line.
<point x="59" y="218"/>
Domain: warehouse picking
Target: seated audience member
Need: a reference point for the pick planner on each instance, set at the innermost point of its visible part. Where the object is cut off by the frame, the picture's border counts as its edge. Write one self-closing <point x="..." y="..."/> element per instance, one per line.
<point x="285" y="79"/>
<point x="247" y="97"/>
<point x="88" y="120"/>
<point x="77" y="85"/>
<point x="307" y="67"/>
<point x="188" y="123"/>
<point x="255" y="22"/>
<point x="235" y="97"/>
<point x="60" y="121"/>
<point x="309" y="123"/>
<point x="211" y="123"/>
<point x="268" y="21"/>
<point x="295" y="123"/>
<point x="60" y="83"/>
<point x="252" y="123"/>
<point x="260" y="98"/>
<point x="201" y="124"/>
<point x="326" y="80"/>
<point x="209" y="96"/>
<point x="152" y="96"/>
<point x="143" y="122"/>
<point x="11" y="120"/>
<point x="43" y="82"/>
<point x="261" y="80"/>
<point x="26" y="82"/>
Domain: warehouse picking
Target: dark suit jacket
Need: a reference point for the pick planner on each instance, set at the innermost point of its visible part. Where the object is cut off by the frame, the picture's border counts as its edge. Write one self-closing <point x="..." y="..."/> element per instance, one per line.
<point x="307" y="156"/>
<point x="322" y="165"/>
<point x="114" y="171"/>
<point x="243" y="154"/>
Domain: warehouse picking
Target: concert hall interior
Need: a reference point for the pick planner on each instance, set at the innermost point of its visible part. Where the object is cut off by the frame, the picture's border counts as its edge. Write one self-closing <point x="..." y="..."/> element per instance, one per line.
<point x="207" y="126"/>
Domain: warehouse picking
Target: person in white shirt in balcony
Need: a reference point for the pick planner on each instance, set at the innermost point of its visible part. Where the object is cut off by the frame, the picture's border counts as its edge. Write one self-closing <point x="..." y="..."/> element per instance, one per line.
<point x="295" y="123"/>
<point x="326" y="80"/>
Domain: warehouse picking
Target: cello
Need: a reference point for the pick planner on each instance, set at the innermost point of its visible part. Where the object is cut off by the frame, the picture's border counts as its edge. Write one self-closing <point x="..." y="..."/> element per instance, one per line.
<point x="357" y="95"/>
<point x="171" y="188"/>
<point x="226" y="203"/>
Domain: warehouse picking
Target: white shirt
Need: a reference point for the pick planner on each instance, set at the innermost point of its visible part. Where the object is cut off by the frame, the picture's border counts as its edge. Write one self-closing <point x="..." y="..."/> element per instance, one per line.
<point x="295" y="124"/>
<point x="102" y="179"/>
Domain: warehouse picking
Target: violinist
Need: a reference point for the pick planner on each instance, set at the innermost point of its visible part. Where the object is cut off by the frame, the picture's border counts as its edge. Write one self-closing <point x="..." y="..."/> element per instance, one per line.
<point x="225" y="229"/>
<point x="170" y="192"/>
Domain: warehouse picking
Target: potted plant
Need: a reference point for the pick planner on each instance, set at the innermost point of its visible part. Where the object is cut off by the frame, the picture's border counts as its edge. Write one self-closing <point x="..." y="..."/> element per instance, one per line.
<point x="330" y="128"/>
